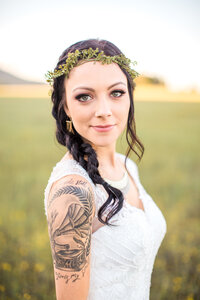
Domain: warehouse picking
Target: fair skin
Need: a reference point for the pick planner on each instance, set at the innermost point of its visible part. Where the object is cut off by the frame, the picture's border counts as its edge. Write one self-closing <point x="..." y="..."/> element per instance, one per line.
<point x="106" y="104"/>
<point x="96" y="95"/>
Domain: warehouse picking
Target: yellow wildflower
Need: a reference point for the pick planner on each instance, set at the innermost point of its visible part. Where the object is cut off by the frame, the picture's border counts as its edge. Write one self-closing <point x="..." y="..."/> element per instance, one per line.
<point x="6" y="266"/>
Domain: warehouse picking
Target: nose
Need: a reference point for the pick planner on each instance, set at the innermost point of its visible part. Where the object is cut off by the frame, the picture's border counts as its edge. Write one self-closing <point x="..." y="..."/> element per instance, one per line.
<point x="103" y="108"/>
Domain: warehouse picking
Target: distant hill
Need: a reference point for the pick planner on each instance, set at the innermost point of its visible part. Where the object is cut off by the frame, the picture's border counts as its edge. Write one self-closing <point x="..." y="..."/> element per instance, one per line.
<point x="149" y="80"/>
<point x="7" y="78"/>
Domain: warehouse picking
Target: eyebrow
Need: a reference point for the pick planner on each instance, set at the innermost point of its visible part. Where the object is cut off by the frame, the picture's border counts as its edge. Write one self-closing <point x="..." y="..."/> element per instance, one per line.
<point x="90" y="89"/>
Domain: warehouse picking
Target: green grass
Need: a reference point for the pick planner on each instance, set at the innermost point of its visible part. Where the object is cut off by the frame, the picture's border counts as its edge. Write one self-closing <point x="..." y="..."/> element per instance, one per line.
<point x="169" y="172"/>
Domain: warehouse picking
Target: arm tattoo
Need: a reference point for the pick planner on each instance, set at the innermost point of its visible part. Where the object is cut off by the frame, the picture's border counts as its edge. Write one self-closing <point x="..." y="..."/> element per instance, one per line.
<point x="74" y="227"/>
<point x="67" y="278"/>
<point x="61" y="191"/>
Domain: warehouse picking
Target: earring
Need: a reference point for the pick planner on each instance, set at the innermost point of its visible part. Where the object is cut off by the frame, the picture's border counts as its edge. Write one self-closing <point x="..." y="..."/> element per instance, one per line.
<point x="69" y="126"/>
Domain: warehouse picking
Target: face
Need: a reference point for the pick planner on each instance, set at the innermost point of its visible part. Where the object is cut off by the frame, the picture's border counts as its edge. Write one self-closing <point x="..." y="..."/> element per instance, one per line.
<point x="97" y="101"/>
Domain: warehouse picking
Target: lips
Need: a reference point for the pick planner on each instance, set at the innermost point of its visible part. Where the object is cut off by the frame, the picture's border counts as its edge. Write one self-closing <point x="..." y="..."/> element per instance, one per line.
<point x="103" y="128"/>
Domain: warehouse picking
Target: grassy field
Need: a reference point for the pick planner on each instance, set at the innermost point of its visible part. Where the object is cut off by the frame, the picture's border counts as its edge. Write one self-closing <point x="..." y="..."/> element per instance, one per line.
<point x="169" y="171"/>
<point x="143" y="92"/>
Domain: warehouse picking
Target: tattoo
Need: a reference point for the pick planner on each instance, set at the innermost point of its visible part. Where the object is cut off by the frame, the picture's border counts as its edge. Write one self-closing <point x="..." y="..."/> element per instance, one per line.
<point x="69" y="181"/>
<point x="70" y="230"/>
<point x="81" y="182"/>
<point x="67" y="278"/>
<point x="59" y="192"/>
<point x="74" y="277"/>
<point x="72" y="181"/>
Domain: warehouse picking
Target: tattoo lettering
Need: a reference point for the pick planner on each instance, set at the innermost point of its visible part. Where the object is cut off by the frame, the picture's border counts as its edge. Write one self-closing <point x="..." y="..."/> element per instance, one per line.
<point x="75" y="228"/>
<point x="81" y="182"/>
<point x="69" y="181"/>
<point x="67" y="278"/>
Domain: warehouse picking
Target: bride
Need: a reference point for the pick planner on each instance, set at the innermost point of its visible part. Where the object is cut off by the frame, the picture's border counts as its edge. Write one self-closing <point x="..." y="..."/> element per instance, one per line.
<point x="105" y="229"/>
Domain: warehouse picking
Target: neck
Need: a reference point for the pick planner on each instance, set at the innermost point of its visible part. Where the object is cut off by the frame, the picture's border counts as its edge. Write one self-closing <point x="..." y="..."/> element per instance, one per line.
<point x="110" y="166"/>
<point x="106" y="157"/>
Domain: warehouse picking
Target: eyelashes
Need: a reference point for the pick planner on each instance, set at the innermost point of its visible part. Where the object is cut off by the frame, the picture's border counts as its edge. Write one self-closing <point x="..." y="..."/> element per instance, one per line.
<point x="84" y="97"/>
<point x="118" y="91"/>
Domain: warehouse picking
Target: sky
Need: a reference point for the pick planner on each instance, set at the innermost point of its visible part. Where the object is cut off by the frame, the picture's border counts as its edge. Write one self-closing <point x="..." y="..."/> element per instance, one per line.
<point x="161" y="35"/>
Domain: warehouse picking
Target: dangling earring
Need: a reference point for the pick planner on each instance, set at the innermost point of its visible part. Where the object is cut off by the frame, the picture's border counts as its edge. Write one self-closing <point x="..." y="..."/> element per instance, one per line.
<point x="69" y="126"/>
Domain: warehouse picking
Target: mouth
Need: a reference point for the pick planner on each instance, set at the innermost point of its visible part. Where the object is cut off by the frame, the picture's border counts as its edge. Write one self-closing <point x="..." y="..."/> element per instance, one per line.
<point x="103" y="128"/>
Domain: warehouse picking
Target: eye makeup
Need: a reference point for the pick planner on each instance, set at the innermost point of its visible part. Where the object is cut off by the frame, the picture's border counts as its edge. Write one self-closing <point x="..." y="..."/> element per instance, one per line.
<point x="83" y="97"/>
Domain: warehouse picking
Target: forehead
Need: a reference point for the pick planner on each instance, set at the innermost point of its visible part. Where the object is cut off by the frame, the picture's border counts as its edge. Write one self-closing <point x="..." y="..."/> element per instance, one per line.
<point x="95" y="73"/>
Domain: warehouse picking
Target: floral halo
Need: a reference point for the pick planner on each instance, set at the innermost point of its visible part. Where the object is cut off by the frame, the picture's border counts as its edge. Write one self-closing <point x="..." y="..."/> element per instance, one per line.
<point x="90" y="55"/>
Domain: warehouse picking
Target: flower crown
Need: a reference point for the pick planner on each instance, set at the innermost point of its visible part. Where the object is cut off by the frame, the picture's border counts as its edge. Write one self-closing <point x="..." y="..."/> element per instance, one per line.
<point x="90" y="55"/>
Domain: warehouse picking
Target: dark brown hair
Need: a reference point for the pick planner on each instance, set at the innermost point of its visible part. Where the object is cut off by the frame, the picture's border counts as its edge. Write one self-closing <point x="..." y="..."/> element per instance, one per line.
<point x="74" y="142"/>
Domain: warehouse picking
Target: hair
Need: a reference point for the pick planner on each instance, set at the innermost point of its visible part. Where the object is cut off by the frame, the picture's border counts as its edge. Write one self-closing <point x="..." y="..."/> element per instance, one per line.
<point x="83" y="152"/>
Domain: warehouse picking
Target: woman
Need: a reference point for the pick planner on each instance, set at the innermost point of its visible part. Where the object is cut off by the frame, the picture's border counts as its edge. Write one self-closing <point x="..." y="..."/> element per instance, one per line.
<point x="104" y="228"/>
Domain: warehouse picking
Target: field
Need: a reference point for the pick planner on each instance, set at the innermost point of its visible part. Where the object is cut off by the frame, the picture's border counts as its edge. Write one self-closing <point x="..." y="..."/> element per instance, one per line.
<point x="169" y="172"/>
<point x="143" y="92"/>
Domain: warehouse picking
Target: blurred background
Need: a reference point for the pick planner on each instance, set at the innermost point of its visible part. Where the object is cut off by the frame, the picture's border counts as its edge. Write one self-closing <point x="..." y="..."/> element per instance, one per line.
<point x="163" y="37"/>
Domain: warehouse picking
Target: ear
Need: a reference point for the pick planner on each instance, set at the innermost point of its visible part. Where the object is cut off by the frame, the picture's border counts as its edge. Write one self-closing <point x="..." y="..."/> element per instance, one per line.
<point x="66" y="109"/>
<point x="64" y="101"/>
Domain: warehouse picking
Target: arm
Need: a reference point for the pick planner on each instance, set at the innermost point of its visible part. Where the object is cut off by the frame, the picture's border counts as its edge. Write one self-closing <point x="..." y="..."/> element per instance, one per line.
<point x="70" y="211"/>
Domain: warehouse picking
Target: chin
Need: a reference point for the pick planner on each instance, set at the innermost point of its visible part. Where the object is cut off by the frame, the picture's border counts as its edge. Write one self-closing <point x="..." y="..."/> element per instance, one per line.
<point x="103" y="141"/>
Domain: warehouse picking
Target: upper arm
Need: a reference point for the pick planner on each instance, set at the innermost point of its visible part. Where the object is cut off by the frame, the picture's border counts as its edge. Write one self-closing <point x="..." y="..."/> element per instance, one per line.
<point x="70" y="211"/>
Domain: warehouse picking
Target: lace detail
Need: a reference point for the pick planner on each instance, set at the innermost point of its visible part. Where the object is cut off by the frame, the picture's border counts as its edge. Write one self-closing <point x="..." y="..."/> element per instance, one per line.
<point x="122" y="257"/>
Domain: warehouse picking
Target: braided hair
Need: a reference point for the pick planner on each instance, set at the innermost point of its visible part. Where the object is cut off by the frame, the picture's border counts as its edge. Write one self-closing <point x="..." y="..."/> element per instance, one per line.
<point x="81" y="151"/>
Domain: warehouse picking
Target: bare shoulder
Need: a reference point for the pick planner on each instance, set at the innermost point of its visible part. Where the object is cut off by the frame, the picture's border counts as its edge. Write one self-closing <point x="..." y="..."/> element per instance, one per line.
<point x="72" y="187"/>
<point x="70" y="212"/>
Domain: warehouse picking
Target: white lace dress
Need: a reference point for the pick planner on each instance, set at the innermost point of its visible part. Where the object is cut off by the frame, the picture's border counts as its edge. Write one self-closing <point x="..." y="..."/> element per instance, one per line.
<point x="122" y="257"/>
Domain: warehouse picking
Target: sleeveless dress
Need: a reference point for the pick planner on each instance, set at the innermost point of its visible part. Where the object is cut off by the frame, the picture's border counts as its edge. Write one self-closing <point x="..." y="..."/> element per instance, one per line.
<point x="122" y="257"/>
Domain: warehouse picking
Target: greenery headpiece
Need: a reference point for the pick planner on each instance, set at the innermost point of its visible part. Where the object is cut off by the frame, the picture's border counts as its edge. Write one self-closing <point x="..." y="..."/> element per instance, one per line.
<point x="90" y="55"/>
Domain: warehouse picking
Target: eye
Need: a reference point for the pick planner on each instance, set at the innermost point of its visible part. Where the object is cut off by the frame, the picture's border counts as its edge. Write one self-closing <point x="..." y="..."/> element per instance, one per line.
<point x="118" y="93"/>
<point x="83" y="97"/>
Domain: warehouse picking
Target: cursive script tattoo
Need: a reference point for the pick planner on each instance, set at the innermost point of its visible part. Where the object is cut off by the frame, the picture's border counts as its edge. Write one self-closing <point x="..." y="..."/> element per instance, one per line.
<point x="67" y="278"/>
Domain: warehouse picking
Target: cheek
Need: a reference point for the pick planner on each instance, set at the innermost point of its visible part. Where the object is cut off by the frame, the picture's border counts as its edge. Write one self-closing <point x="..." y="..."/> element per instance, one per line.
<point x="80" y="117"/>
<point x="75" y="111"/>
<point x="123" y="110"/>
<point x="124" y="114"/>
